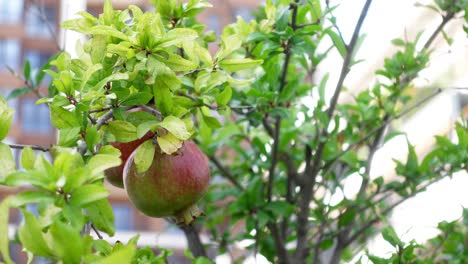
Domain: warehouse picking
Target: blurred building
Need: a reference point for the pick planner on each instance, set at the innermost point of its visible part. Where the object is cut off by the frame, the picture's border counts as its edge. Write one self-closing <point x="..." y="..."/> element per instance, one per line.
<point x="29" y="31"/>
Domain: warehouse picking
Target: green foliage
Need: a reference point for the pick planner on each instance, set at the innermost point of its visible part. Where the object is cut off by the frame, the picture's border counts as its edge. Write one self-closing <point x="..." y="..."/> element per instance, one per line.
<point x="280" y="148"/>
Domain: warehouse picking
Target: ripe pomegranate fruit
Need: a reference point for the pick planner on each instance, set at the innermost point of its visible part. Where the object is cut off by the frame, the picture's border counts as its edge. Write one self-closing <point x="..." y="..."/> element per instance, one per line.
<point x="114" y="175"/>
<point x="171" y="186"/>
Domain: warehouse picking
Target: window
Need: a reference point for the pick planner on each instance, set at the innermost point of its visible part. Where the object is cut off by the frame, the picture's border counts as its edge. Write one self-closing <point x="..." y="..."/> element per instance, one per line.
<point x="36" y="58"/>
<point x="9" y="53"/>
<point x="34" y="118"/>
<point x="245" y="13"/>
<point x="11" y="11"/>
<point x="214" y="23"/>
<point x="35" y="24"/>
<point x="123" y="216"/>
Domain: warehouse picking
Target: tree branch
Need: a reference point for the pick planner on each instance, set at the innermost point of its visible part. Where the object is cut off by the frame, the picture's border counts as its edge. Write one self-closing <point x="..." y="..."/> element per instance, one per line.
<point x="45" y="19"/>
<point x="34" y="147"/>
<point x="313" y="169"/>
<point x="283" y="255"/>
<point x="445" y="20"/>
<point x="376" y="219"/>
<point x="366" y="137"/>
<point x="306" y="195"/>
<point x="193" y="240"/>
<point x="226" y="173"/>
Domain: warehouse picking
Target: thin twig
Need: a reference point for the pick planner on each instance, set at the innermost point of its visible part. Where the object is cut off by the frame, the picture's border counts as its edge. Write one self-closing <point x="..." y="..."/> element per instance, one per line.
<point x="445" y="20"/>
<point x="45" y="20"/>
<point x="376" y="219"/>
<point x="371" y="133"/>
<point x="314" y="168"/>
<point x="104" y="119"/>
<point x="225" y="172"/>
<point x="96" y="231"/>
<point x="152" y="110"/>
<point x="34" y="147"/>
<point x="350" y="48"/>
<point x="101" y="109"/>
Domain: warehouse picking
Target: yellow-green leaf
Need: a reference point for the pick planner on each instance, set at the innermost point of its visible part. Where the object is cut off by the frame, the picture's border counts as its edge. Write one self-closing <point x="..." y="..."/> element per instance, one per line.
<point x="4" y="238"/>
<point x="176" y="126"/>
<point x="27" y="158"/>
<point x="144" y="156"/>
<point x="169" y="144"/>
<point x="233" y="65"/>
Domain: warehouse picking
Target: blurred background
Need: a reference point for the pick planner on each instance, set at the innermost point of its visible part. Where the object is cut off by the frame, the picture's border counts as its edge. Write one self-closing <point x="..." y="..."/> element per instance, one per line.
<point x="29" y="30"/>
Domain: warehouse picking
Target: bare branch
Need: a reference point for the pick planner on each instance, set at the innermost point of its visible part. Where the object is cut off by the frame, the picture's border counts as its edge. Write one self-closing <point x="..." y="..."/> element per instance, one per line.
<point x="445" y="20"/>
<point x="347" y="60"/>
<point x="45" y="20"/>
<point x="34" y="147"/>
<point x="194" y="241"/>
<point x="366" y="137"/>
<point x="225" y="172"/>
<point x="96" y="231"/>
<point x="377" y="219"/>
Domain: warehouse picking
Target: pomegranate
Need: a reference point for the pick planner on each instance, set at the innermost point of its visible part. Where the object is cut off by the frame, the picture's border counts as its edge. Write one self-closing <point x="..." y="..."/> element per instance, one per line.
<point x="171" y="186"/>
<point x="114" y="175"/>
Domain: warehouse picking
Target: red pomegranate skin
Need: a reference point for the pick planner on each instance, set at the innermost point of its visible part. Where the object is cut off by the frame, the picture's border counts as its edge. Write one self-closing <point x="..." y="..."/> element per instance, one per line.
<point x="171" y="184"/>
<point x="114" y="175"/>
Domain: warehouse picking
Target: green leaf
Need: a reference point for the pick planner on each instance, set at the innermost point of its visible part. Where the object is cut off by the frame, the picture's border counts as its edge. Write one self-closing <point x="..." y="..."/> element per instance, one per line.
<point x="108" y="12"/>
<point x="144" y="156"/>
<point x="4" y="238"/>
<point x="279" y="208"/>
<point x="143" y="128"/>
<point x="66" y="242"/>
<point x="6" y="116"/>
<point x="391" y="237"/>
<point x="42" y="71"/>
<point x="347" y="217"/>
<point x="88" y="194"/>
<point x="176" y="126"/>
<point x="27" y="158"/>
<point x="211" y="122"/>
<point x="139" y="98"/>
<point x="31" y="236"/>
<point x="35" y="178"/>
<point x="124" y="255"/>
<point x="107" y="31"/>
<point x="62" y="118"/>
<point x="89" y="72"/>
<point x="177" y="63"/>
<point x="29" y="197"/>
<point x="101" y="162"/>
<point x="7" y="162"/>
<point x="412" y="160"/>
<point x="68" y="136"/>
<point x="233" y="65"/>
<point x="203" y="260"/>
<point x="177" y="36"/>
<point x="18" y="92"/>
<point x="101" y="215"/>
<point x="92" y="138"/>
<point x="114" y="77"/>
<point x="337" y="41"/>
<point x="322" y="86"/>
<point x="224" y="97"/>
<point x="27" y="70"/>
<point x="169" y="144"/>
<point x="123" y="131"/>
